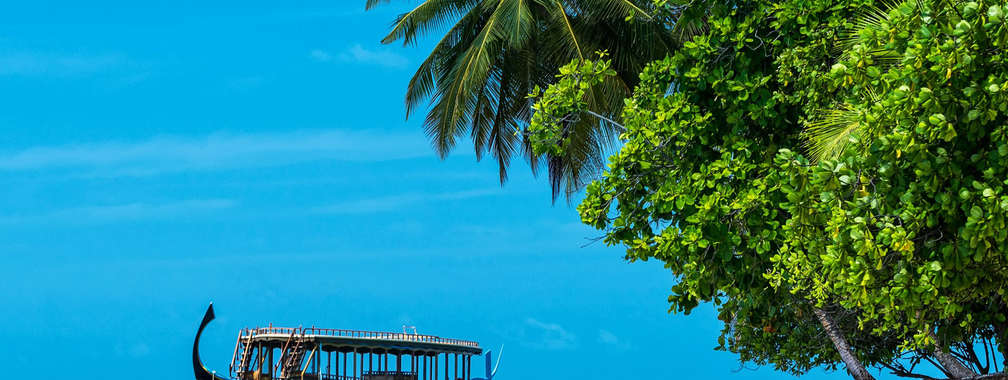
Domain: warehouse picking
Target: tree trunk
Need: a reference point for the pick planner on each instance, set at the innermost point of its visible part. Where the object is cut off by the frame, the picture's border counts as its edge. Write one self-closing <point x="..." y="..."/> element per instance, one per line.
<point x="854" y="366"/>
<point x="955" y="369"/>
<point x="991" y="376"/>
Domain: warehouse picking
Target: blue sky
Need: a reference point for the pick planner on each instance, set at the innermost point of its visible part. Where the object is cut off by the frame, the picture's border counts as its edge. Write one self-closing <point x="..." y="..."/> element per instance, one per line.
<point x="159" y="156"/>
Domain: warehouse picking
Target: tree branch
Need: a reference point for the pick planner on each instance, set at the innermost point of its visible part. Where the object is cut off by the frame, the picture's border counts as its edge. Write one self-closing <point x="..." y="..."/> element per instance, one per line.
<point x="903" y="372"/>
<point x="998" y="375"/>
<point x="615" y="124"/>
<point x="953" y="366"/>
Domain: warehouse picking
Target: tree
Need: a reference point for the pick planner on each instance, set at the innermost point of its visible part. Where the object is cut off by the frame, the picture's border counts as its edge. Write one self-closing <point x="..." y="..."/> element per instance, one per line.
<point x="494" y="53"/>
<point x="889" y="252"/>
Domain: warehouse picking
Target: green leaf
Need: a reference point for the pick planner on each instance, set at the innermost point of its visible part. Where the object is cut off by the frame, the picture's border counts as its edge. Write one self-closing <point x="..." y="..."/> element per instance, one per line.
<point x="973" y="114"/>
<point x="937" y="119"/>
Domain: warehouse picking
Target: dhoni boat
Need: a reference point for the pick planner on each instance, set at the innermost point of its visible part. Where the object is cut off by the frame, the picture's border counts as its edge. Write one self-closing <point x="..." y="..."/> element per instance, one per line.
<point x="310" y="353"/>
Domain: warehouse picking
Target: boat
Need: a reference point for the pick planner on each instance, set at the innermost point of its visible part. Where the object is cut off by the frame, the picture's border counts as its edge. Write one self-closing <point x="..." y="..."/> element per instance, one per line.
<point x="310" y="353"/>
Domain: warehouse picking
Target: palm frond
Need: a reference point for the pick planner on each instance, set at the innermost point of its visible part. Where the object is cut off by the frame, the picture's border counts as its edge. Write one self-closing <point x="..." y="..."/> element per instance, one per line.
<point x="476" y="65"/>
<point x="620" y="10"/>
<point x="568" y="28"/>
<point x="513" y="109"/>
<point x="374" y="3"/>
<point x="874" y="18"/>
<point x="828" y="136"/>
<point x="485" y="112"/>
<point x="690" y="23"/>
<point x="445" y="52"/>
<point x="572" y="170"/>
<point x="517" y="21"/>
<point x="886" y="57"/>
<point x="370" y="4"/>
<point x="502" y="139"/>
<point x="629" y="9"/>
<point x="426" y="17"/>
<point x="456" y="96"/>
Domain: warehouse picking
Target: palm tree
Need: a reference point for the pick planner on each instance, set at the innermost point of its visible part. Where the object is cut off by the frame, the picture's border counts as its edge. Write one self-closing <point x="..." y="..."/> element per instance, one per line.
<point x="495" y="52"/>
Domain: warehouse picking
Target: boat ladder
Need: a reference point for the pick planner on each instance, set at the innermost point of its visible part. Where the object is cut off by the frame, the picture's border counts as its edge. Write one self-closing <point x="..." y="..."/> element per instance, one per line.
<point x="240" y="362"/>
<point x="292" y="355"/>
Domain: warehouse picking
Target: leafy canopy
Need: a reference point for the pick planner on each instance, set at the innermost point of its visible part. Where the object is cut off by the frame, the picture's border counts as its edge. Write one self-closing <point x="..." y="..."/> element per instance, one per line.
<point x="895" y="228"/>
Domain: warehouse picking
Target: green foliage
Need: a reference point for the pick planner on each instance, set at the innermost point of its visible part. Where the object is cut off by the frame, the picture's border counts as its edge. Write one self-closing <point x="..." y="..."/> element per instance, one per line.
<point x="564" y="103"/>
<point x="494" y="53"/>
<point x="898" y="231"/>
<point x="910" y="228"/>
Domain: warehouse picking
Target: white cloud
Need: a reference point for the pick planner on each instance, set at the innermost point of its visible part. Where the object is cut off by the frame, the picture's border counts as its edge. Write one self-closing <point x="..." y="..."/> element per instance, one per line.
<point x="361" y="55"/>
<point x="320" y="55"/>
<point x="608" y="338"/>
<point x="27" y="62"/>
<point x="546" y="336"/>
<point x="136" y="350"/>
<point x="245" y="83"/>
<point x="171" y="153"/>
<point x="140" y="350"/>
<point x="121" y="212"/>
<point x="400" y="201"/>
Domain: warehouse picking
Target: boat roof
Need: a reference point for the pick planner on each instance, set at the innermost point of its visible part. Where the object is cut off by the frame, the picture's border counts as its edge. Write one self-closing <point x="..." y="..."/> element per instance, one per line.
<point x="356" y="340"/>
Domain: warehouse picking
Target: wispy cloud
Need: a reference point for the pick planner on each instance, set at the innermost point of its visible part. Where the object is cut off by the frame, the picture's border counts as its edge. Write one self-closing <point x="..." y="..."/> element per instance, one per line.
<point x="610" y="339"/>
<point x="61" y="64"/>
<point x="400" y="201"/>
<point x="221" y="150"/>
<point x="136" y="350"/>
<point x="320" y="56"/>
<point x="361" y="55"/>
<point x="121" y="212"/>
<point x="245" y="83"/>
<point x="545" y="336"/>
<point x="270" y="18"/>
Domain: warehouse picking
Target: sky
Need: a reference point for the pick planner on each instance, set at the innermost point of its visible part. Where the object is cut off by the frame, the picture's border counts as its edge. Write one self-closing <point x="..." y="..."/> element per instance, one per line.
<point x="159" y="156"/>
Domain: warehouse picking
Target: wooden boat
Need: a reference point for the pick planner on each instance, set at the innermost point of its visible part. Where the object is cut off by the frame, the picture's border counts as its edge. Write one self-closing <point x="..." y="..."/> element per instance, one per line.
<point x="277" y="353"/>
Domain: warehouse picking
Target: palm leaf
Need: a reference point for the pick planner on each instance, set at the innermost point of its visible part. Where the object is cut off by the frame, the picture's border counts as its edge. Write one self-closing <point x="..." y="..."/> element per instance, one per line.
<point x="374" y="3"/>
<point x="457" y="98"/>
<point x="451" y="46"/>
<point x="874" y="18"/>
<point x="568" y="28"/>
<point x="502" y="140"/>
<point x="614" y="10"/>
<point x="485" y="112"/>
<point x="426" y="17"/>
<point x="828" y="136"/>
<point x="690" y="23"/>
<point x="517" y="21"/>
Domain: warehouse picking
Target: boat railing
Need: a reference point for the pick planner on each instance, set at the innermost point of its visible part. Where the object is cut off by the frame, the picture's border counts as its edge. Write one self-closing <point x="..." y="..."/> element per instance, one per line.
<point x="338" y="377"/>
<point x="389" y="373"/>
<point x="358" y="334"/>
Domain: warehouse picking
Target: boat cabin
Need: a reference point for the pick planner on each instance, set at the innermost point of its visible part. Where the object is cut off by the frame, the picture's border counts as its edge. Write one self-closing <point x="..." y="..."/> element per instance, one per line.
<point x="274" y="353"/>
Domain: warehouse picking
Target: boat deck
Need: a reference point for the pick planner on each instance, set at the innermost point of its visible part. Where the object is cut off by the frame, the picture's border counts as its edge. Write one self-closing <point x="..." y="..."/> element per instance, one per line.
<point x="272" y="353"/>
<point x="348" y="340"/>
